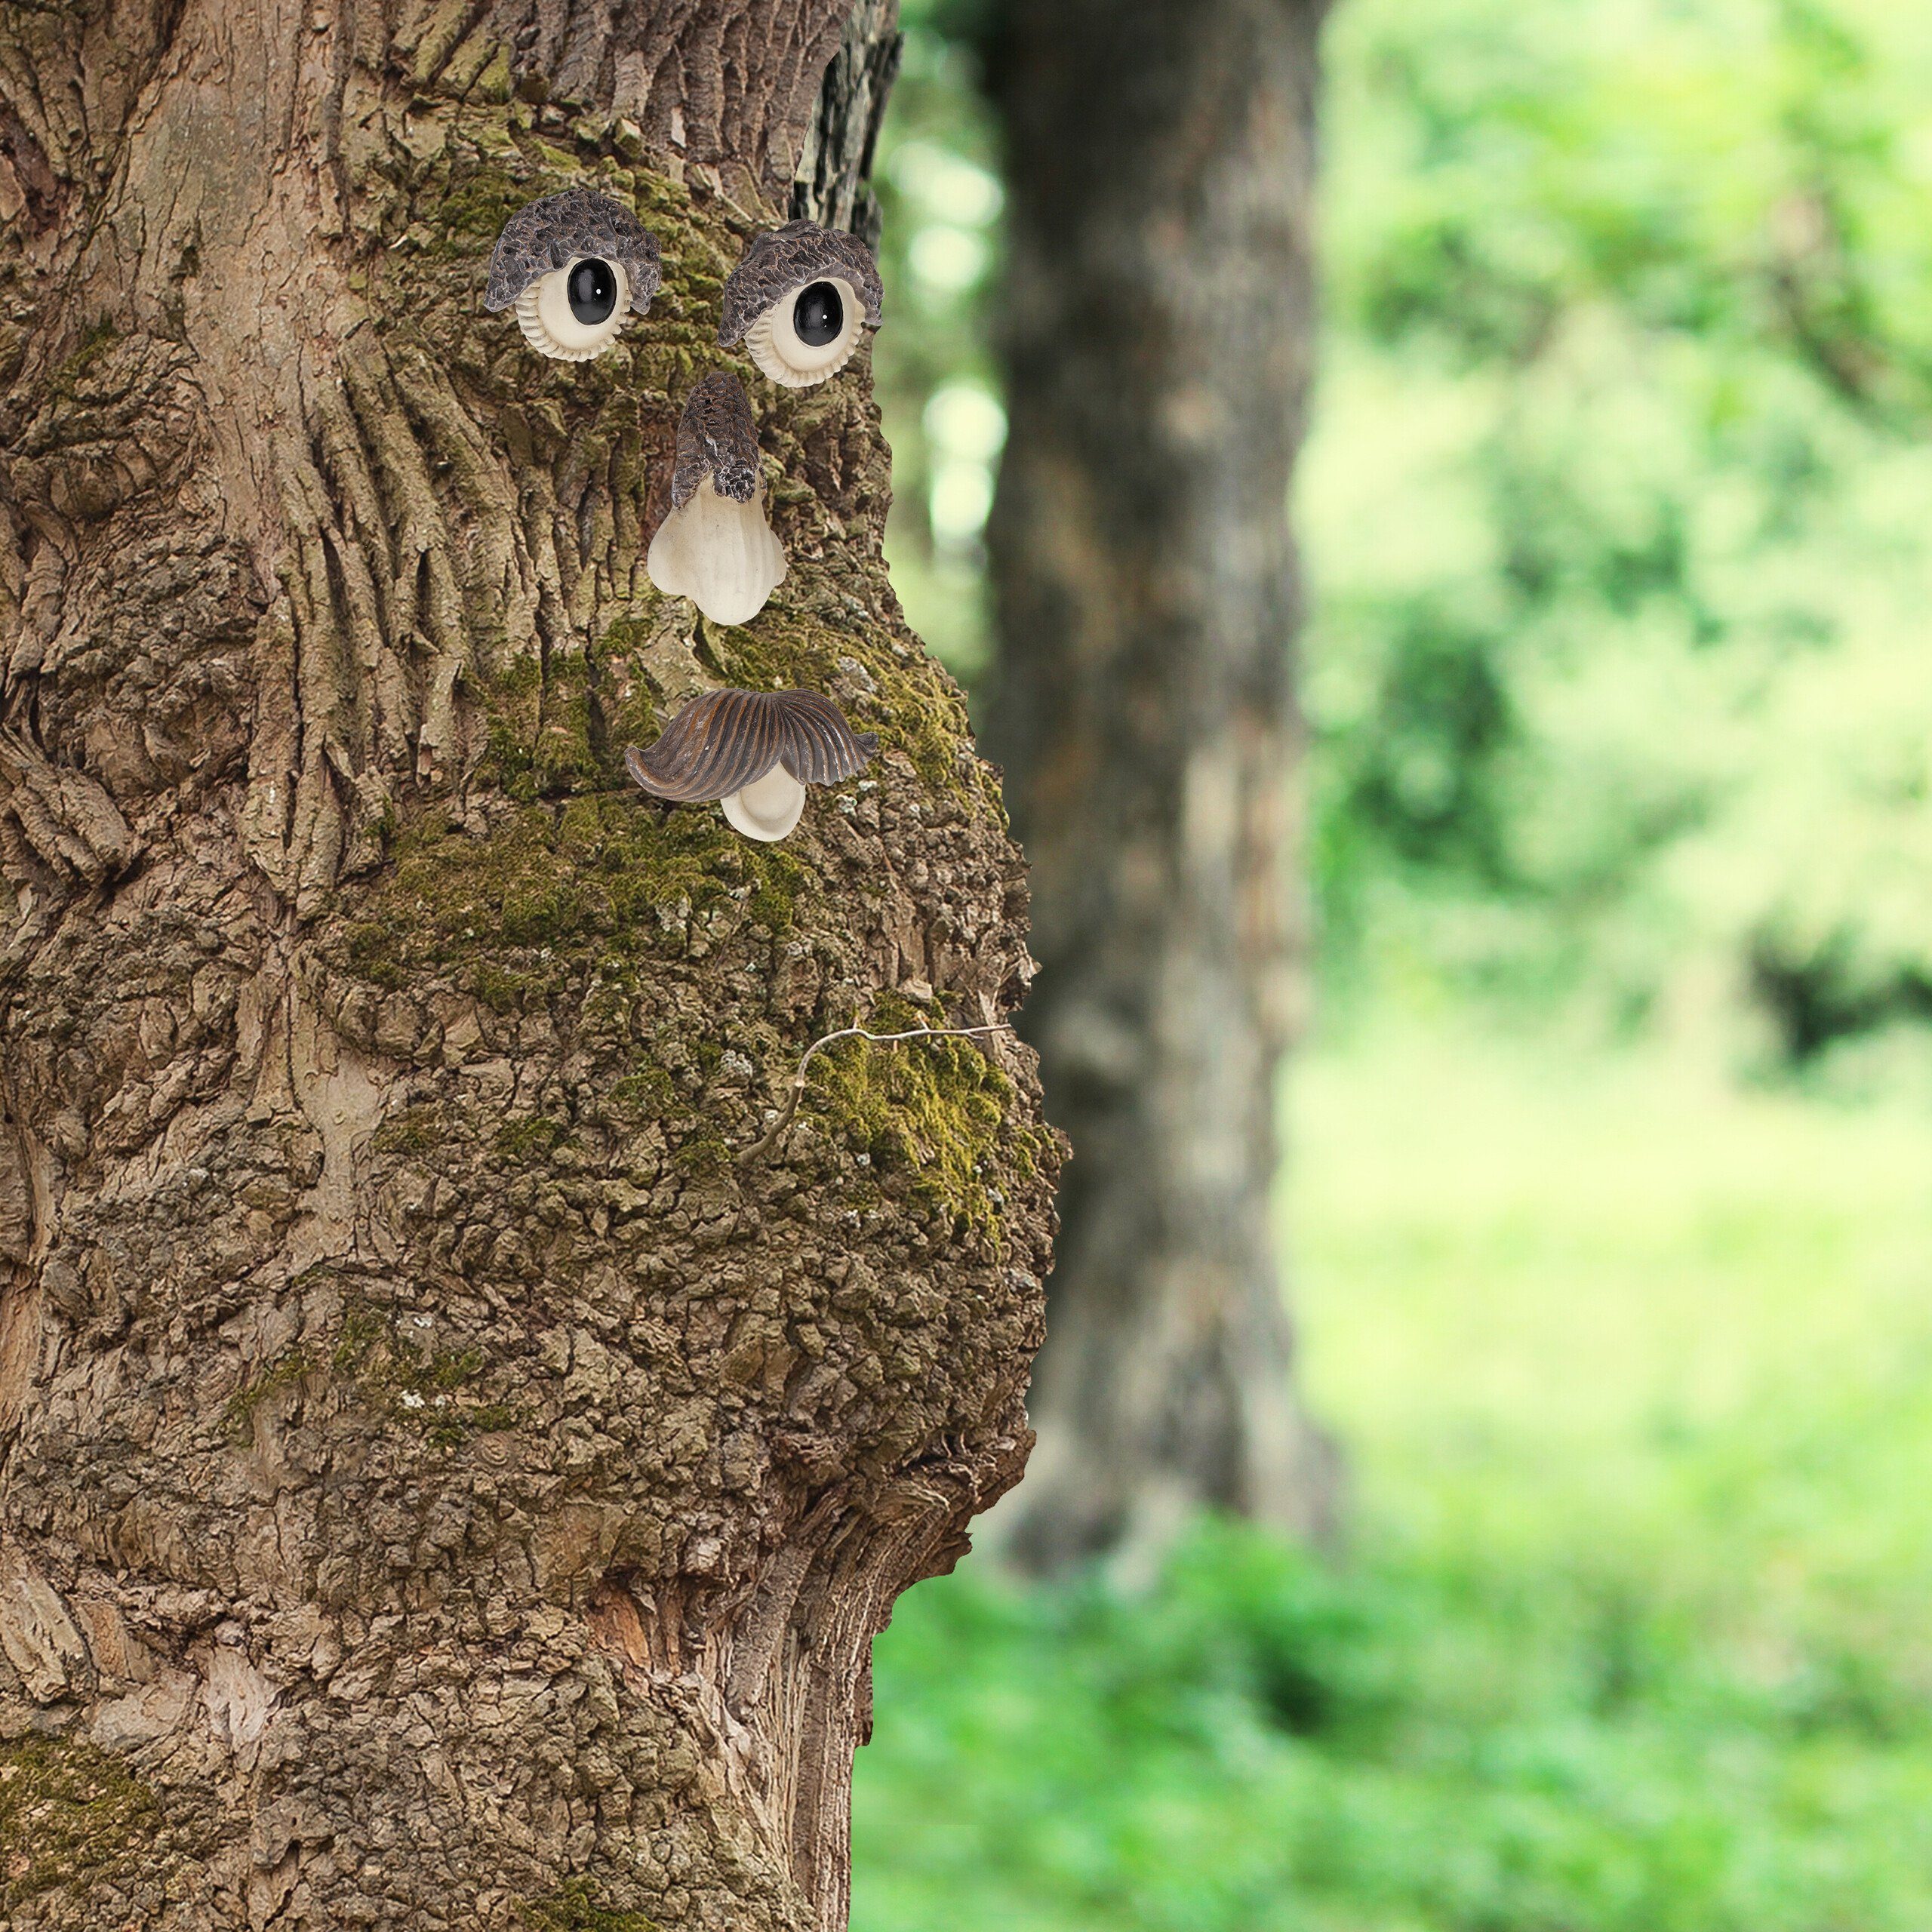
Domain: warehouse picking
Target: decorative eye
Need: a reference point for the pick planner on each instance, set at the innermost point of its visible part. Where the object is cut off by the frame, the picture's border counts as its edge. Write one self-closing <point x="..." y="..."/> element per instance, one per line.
<point x="577" y="266"/>
<point x="808" y="339"/>
<point x="799" y="301"/>
<point x="715" y="547"/>
<point x="575" y="313"/>
<point x="754" y="752"/>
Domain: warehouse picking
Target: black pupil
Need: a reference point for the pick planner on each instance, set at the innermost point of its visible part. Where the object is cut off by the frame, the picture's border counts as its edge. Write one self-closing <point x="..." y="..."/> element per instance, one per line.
<point x="593" y="290"/>
<point x="819" y="316"/>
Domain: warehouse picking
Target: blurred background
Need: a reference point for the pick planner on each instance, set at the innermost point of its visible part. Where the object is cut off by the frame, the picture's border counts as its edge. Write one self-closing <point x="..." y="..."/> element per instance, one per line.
<point x="1589" y="1593"/>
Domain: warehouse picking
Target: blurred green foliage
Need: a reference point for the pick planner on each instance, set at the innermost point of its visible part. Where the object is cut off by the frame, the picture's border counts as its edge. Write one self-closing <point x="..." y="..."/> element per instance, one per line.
<point x="938" y="181"/>
<point x="1631" y="1634"/>
<point x="1616" y="509"/>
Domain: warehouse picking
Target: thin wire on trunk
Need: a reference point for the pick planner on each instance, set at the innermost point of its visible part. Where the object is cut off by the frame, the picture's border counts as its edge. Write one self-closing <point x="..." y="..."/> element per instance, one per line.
<point x="776" y="1133"/>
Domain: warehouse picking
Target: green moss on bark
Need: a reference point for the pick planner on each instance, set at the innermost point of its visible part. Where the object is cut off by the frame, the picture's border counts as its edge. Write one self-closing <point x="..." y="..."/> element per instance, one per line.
<point x="69" y="1813"/>
<point x="575" y="1909"/>
<point x="937" y="1112"/>
<point x="431" y="1393"/>
<point x="237" y="1416"/>
<point x="608" y="881"/>
<point x="415" y="1131"/>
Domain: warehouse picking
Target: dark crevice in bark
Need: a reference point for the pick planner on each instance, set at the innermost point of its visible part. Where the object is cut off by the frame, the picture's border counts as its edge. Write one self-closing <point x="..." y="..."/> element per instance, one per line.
<point x="40" y="189"/>
<point x="834" y="171"/>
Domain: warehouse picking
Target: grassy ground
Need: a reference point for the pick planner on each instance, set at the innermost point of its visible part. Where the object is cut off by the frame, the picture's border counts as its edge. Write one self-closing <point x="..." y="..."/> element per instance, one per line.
<point x="1635" y="1375"/>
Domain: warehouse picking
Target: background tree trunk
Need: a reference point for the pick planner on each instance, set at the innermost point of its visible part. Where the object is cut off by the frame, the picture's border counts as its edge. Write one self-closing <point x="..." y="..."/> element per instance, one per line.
<point x="1157" y="322"/>
<point x="439" y="1485"/>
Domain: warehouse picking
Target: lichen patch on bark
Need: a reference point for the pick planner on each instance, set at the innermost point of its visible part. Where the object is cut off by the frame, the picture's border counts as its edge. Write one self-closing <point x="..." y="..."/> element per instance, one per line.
<point x="69" y="1813"/>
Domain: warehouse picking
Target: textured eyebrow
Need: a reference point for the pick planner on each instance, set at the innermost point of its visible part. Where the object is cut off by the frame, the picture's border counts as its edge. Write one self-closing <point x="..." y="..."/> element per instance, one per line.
<point x="724" y="741"/>
<point x="782" y="259"/>
<point x="548" y="233"/>
<point x="717" y="438"/>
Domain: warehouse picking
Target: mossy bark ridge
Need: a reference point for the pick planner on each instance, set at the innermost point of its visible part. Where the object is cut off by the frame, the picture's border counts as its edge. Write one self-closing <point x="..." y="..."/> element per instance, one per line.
<point x="439" y="1487"/>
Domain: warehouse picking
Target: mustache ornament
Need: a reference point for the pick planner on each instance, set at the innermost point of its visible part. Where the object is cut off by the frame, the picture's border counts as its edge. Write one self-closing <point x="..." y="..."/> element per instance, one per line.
<point x="754" y="752"/>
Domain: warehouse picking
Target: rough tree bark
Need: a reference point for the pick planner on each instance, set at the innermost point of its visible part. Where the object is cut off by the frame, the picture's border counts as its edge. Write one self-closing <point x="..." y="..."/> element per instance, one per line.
<point x="440" y="1484"/>
<point x="1156" y="323"/>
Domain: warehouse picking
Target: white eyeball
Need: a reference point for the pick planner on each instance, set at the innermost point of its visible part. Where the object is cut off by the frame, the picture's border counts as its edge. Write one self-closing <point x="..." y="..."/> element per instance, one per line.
<point x="810" y="334"/>
<point x="576" y="311"/>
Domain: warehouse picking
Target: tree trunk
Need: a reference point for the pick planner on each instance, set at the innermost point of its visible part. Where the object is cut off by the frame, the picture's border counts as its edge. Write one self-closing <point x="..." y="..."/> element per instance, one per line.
<point x="1157" y="319"/>
<point x="441" y="1483"/>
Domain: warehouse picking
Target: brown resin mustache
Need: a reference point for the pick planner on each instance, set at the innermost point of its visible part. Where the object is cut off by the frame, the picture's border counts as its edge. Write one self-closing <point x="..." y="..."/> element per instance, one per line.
<point x="722" y="742"/>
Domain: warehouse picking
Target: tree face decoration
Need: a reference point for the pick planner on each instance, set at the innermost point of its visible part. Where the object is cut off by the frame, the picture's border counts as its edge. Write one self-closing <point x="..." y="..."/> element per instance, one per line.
<point x="754" y="752"/>
<point x="715" y="547"/>
<point x="577" y="266"/>
<point x="800" y="300"/>
<point x="483" y="1370"/>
